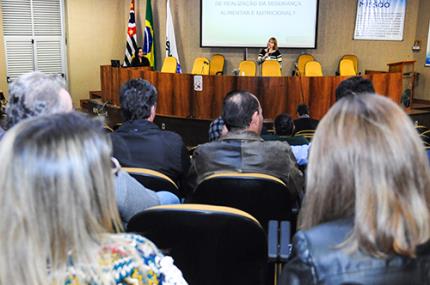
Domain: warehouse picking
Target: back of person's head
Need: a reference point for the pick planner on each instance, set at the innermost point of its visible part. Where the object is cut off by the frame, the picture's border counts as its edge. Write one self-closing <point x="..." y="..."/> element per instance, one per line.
<point x="302" y="109"/>
<point x="217" y="129"/>
<point x="238" y="110"/>
<point x="354" y="85"/>
<point x="34" y="94"/>
<point x="57" y="198"/>
<point x="368" y="163"/>
<point x="284" y="125"/>
<point x="137" y="98"/>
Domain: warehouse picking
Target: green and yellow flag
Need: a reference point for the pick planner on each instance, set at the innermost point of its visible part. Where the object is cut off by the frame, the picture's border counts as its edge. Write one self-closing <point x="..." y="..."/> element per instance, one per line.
<point x="148" y="37"/>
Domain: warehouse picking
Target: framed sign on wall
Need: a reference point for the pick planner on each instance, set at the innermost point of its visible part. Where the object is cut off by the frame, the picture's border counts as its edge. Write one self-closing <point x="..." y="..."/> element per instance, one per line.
<point x="382" y="20"/>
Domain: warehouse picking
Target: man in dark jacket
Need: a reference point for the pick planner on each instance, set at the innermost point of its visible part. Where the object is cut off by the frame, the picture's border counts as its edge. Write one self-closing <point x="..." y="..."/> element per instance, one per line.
<point x="242" y="149"/>
<point x="141" y="143"/>
<point x="304" y="121"/>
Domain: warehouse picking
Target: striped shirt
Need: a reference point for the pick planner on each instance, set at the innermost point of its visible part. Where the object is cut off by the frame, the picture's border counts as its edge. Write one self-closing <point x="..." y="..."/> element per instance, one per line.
<point x="275" y="55"/>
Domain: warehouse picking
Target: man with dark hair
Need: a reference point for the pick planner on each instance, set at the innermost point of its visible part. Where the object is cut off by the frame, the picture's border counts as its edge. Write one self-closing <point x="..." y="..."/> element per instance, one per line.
<point x="284" y="131"/>
<point x="354" y="85"/>
<point x="139" y="142"/>
<point x="242" y="149"/>
<point x="304" y="121"/>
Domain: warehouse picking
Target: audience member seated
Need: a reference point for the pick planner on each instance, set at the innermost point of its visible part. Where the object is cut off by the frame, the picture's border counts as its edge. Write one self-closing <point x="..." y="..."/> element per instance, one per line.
<point x="242" y="149"/>
<point x="132" y="197"/>
<point x="304" y="121"/>
<point x="35" y="94"/>
<point x="138" y="142"/>
<point x="365" y="217"/>
<point x="354" y="85"/>
<point x="59" y="220"/>
<point x="284" y="131"/>
<point x="217" y="129"/>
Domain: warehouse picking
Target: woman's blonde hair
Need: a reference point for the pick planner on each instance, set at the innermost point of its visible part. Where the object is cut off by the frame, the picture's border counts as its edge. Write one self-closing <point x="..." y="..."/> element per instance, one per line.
<point x="56" y="198"/>
<point x="368" y="163"/>
<point x="275" y="42"/>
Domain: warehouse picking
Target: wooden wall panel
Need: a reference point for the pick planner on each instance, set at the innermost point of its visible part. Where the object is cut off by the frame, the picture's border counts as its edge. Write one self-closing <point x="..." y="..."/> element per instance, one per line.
<point x="151" y="76"/>
<point x="165" y="86"/>
<point x="223" y="85"/>
<point x="394" y="86"/>
<point x="273" y="96"/>
<point x="379" y="81"/>
<point x="115" y="83"/>
<point x="320" y="89"/>
<point x="176" y="95"/>
<point x="202" y="100"/>
<point x="106" y="80"/>
<point x="183" y="84"/>
<point x="249" y="83"/>
<point x="298" y="93"/>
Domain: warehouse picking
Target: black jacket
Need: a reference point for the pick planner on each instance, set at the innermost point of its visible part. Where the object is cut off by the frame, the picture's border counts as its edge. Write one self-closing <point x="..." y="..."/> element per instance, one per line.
<point x="305" y="124"/>
<point x="245" y="151"/>
<point x="317" y="259"/>
<point x="141" y="143"/>
<point x="135" y="62"/>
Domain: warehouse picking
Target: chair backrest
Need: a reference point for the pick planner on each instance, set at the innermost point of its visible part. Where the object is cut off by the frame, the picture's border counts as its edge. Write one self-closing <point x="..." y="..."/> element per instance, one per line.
<point x="307" y="134"/>
<point x="313" y="68"/>
<point x="153" y="180"/>
<point x="346" y="68"/>
<point x="354" y="59"/>
<point x="217" y="65"/>
<point x="421" y="129"/>
<point x="263" y="196"/>
<point x="301" y="62"/>
<point x="271" y="68"/>
<point x="108" y="129"/>
<point x="201" y="66"/>
<point x="247" y="68"/>
<point x="170" y="65"/>
<point x="211" y="245"/>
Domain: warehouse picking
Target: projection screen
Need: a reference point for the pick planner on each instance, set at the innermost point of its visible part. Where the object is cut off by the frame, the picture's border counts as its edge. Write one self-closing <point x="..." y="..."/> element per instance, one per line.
<point x="250" y="23"/>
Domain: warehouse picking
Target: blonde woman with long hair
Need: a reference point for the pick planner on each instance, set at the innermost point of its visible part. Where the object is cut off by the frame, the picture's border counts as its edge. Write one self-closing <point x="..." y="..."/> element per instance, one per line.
<point x="365" y="218"/>
<point x="59" y="215"/>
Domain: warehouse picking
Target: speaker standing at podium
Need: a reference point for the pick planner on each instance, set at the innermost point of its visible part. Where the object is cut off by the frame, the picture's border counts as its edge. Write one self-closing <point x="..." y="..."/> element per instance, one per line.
<point x="271" y="52"/>
<point x="139" y="59"/>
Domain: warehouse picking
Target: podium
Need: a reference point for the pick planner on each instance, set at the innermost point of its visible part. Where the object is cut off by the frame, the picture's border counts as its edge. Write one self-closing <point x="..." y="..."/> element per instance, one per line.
<point x="406" y="68"/>
<point x="113" y="77"/>
<point x="178" y="97"/>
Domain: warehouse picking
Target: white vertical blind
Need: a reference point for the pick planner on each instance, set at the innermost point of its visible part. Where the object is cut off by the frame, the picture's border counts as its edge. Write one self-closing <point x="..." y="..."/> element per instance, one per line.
<point x="19" y="57"/>
<point x="47" y="18"/>
<point x="17" y="18"/>
<point x="34" y="36"/>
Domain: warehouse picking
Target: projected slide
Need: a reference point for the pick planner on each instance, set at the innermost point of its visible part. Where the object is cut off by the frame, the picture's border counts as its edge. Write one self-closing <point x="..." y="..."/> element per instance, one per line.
<point x="250" y="23"/>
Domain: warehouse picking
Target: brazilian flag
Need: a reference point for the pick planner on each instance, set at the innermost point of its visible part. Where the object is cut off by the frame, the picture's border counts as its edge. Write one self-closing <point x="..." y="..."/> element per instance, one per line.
<point x="149" y="39"/>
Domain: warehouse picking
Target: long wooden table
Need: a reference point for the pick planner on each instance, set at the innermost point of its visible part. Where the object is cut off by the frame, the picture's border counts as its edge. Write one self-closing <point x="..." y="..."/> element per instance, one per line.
<point x="177" y="97"/>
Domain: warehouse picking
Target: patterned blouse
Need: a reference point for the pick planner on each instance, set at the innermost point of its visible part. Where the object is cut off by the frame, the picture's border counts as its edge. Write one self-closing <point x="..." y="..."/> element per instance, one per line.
<point x="274" y="55"/>
<point x="127" y="259"/>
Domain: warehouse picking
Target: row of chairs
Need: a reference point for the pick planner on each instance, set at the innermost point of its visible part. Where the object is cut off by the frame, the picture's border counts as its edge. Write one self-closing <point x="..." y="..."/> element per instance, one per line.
<point x="306" y="65"/>
<point x="233" y="220"/>
<point x="245" y="191"/>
